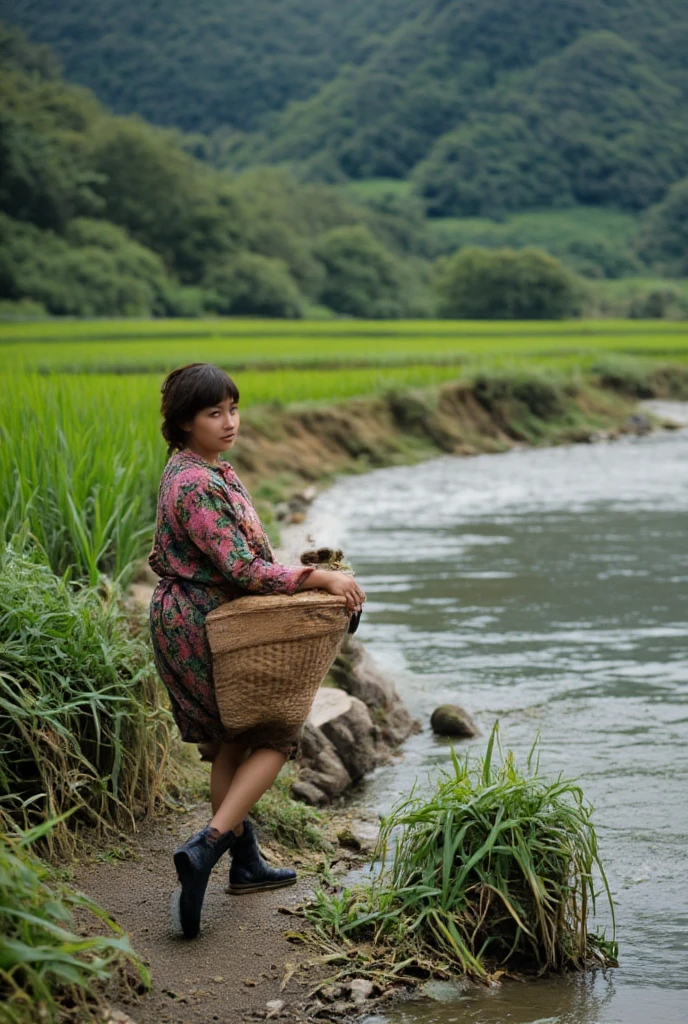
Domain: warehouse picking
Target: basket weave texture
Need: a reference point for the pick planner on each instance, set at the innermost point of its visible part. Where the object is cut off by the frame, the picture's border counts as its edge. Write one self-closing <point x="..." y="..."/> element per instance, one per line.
<point x="270" y="655"/>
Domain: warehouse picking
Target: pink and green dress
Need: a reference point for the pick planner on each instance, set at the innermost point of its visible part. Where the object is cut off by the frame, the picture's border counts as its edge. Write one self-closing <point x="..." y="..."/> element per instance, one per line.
<point x="209" y="547"/>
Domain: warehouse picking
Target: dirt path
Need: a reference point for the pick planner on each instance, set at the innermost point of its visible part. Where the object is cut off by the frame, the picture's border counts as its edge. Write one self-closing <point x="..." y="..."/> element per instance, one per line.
<point x="242" y="957"/>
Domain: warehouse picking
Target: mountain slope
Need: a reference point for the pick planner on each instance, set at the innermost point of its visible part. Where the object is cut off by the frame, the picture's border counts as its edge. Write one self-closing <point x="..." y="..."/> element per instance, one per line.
<point x="210" y="63"/>
<point x="502" y="76"/>
<point x="489" y="106"/>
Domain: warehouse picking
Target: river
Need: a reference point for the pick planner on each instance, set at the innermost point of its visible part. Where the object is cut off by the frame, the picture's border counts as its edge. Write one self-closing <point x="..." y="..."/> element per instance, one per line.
<point x="546" y="588"/>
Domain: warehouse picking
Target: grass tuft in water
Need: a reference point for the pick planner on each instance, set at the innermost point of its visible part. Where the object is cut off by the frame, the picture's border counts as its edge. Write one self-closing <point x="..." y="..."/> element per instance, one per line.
<point x="495" y="871"/>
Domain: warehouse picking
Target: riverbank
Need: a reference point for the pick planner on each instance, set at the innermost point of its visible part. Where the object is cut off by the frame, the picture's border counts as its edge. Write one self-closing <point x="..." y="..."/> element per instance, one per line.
<point x="285" y="454"/>
<point x="484" y="415"/>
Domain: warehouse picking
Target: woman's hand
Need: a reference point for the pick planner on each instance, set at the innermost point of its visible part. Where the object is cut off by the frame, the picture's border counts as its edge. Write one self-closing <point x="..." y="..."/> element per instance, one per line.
<point x="338" y="583"/>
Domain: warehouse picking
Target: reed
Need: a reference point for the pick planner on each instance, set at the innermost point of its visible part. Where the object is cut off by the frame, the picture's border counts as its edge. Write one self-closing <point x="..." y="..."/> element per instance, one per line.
<point x="50" y="972"/>
<point x="81" y="718"/>
<point x="496" y="871"/>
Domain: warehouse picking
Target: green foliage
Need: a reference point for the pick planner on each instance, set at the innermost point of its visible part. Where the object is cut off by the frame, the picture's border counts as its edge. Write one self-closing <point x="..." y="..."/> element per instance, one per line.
<point x="210" y="65"/>
<point x="492" y="106"/>
<point x="165" y="199"/>
<point x="292" y="824"/>
<point x="505" y="285"/>
<point x="254" y="285"/>
<point x="66" y="455"/>
<point x="638" y="298"/>
<point x="594" y="123"/>
<point x="47" y="968"/>
<point x="525" y="404"/>
<point x="95" y="269"/>
<point x="80" y="712"/>
<point x="496" y="868"/>
<point x="663" y="241"/>
<point x="361" y="277"/>
<point x="592" y="241"/>
<point x="166" y="223"/>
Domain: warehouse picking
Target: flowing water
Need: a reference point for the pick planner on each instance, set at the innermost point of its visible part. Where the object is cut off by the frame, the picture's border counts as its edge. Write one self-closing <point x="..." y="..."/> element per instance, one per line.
<point x="548" y="589"/>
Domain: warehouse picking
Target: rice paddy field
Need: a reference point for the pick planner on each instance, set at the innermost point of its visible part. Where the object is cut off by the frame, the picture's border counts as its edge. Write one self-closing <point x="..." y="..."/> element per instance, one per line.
<point x="79" y="420"/>
<point x="391" y="346"/>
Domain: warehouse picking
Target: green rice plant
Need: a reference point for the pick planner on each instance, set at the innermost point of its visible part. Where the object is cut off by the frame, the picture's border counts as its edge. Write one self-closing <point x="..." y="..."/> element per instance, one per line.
<point x="81" y="463"/>
<point x="81" y="718"/>
<point x="244" y="345"/>
<point x="495" y="871"/>
<point x="48" y="971"/>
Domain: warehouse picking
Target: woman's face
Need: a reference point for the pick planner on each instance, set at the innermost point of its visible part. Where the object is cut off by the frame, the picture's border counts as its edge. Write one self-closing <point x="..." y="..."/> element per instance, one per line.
<point x="213" y="430"/>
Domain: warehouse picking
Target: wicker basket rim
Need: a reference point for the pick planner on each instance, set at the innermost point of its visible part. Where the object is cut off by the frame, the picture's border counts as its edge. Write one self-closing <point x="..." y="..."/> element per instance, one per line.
<point x="274" y="602"/>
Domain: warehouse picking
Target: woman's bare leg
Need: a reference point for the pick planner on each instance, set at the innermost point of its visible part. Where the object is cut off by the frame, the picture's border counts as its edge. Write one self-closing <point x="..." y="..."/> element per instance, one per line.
<point x="251" y="779"/>
<point x="225" y="763"/>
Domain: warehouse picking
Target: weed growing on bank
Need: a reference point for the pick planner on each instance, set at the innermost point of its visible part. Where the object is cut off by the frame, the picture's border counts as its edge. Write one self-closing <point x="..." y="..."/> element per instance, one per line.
<point x="293" y="824"/>
<point x="48" y="970"/>
<point x="81" y="718"/>
<point x="494" y="872"/>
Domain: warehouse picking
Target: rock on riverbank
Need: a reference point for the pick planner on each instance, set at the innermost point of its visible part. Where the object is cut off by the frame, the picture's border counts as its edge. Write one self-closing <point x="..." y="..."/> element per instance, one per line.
<point x="353" y="727"/>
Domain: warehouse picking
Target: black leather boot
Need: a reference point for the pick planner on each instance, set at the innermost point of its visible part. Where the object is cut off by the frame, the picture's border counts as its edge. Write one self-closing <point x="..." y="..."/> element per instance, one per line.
<point x="249" y="871"/>
<point x="194" y="861"/>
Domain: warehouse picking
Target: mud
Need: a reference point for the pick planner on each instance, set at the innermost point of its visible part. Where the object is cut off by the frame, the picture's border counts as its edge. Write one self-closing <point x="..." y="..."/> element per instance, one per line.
<point x="242" y="959"/>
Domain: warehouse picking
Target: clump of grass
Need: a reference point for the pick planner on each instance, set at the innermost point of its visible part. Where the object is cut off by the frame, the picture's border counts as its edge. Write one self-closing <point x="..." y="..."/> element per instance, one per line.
<point x="293" y="824"/>
<point x="48" y="970"/>
<point x="493" y="872"/>
<point x="637" y="379"/>
<point x="80" y="712"/>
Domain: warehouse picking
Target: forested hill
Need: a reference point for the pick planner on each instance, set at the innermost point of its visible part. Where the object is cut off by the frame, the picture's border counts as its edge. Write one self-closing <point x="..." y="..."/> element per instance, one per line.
<point x="487" y="105"/>
<point x="202" y="65"/>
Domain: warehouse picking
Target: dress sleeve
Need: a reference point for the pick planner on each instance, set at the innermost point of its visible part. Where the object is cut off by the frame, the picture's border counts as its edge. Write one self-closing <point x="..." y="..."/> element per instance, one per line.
<point x="211" y="524"/>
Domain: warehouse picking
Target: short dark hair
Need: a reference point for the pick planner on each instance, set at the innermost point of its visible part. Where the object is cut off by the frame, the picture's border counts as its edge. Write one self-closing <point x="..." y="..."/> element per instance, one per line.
<point x="185" y="392"/>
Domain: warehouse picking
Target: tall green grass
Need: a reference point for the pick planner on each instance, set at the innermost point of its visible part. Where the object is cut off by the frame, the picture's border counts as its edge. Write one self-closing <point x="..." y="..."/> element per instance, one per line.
<point x="496" y="870"/>
<point x="80" y="461"/>
<point x="48" y="971"/>
<point x="82" y="723"/>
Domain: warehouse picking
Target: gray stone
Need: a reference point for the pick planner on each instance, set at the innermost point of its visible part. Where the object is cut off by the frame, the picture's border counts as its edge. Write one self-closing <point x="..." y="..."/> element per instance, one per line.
<point x="352" y="727"/>
<point x="308" y="793"/>
<point x="452" y="720"/>
<point x="356" y="673"/>
<point x="638" y="423"/>
<point x="352" y="734"/>
<point x="361" y="989"/>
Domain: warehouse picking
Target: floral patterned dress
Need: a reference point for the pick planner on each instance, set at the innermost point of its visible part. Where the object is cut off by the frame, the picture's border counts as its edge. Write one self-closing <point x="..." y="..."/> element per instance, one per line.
<point x="209" y="547"/>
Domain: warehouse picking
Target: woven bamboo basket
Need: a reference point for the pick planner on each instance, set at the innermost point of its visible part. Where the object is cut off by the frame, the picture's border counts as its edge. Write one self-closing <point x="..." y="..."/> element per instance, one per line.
<point x="270" y="655"/>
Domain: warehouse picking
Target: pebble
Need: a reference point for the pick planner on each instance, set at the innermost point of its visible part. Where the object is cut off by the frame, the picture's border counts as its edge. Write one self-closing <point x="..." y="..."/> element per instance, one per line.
<point x="360" y="989"/>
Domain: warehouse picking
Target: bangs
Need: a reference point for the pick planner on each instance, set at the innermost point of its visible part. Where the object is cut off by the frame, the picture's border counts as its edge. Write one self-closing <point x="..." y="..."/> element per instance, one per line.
<point x="211" y="386"/>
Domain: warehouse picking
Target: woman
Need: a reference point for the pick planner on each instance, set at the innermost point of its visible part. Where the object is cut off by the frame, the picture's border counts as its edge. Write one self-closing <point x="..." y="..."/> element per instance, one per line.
<point x="210" y="547"/>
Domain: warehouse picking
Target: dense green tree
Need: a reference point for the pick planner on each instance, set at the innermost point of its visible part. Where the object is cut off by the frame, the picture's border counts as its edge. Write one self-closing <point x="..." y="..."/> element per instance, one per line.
<point x="206" y="64"/>
<point x="79" y="275"/>
<point x="252" y="285"/>
<point x="164" y="198"/>
<point x="663" y="240"/>
<point x="361" y="277"/>
<point x="501" y="284"/>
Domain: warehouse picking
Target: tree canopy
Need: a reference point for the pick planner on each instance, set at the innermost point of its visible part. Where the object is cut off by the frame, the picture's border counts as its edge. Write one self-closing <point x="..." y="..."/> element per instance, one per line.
<point x="488" y="105"/>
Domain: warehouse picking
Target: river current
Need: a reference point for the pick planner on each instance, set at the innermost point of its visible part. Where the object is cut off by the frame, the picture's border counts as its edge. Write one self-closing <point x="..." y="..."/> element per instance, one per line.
<point x="548" y="589"/>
